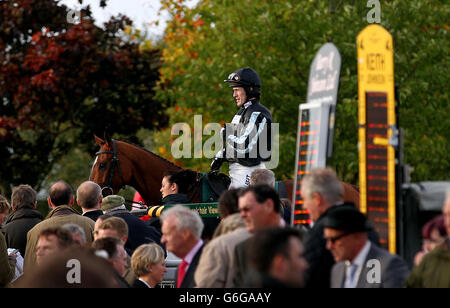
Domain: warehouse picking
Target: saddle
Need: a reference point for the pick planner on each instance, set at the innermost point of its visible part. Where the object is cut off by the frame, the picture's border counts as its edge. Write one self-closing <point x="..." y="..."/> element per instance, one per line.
<point x="213" y="185"/>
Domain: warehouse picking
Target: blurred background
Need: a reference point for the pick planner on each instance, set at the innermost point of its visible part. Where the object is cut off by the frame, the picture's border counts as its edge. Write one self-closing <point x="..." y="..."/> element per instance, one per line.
<point x="135" y="68"/>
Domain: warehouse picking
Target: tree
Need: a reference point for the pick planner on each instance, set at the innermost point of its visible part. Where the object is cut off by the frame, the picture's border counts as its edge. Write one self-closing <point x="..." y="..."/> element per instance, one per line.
<point x="60" y="83"/>
<point x="279" y="40"/>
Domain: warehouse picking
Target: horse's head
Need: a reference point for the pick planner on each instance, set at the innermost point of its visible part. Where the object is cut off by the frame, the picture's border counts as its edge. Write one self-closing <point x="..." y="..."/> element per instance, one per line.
<point x="110" y="168"/>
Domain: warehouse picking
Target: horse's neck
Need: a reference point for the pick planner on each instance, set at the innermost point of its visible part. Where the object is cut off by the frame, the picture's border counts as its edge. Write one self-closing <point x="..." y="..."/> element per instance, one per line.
<point x="147" y="174"/>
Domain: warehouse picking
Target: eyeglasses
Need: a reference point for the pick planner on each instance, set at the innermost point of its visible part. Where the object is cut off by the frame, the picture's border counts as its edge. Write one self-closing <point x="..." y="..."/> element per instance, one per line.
<point x="336" y="238"/>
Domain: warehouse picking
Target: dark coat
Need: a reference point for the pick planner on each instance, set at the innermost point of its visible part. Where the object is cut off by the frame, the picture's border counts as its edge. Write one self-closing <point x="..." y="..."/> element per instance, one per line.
<point x="138" y="231"/>
<point x="243" y="272"/>
<point x="319" y="258"/>
<point x="264" y="281"/>
<point x="188" y="280"/>
<point x="6" y="268"/>
<point x="17" y="226"/>
<point x="137" y="284"/>
<point x="167" y="200"/>
<point x="175" y="199"/>
<point x="94" y="215"/>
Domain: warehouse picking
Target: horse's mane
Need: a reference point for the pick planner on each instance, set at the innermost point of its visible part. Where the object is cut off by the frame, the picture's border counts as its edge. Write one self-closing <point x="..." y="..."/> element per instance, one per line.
<point x="150" y="152"/>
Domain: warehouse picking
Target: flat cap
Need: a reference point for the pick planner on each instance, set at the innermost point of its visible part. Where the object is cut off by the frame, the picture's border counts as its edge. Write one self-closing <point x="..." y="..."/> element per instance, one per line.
<point x="111" y="202"/>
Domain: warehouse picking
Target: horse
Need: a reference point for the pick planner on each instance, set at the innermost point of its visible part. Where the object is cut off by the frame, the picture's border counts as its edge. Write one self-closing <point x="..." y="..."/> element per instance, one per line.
<point x="119" y="163"/>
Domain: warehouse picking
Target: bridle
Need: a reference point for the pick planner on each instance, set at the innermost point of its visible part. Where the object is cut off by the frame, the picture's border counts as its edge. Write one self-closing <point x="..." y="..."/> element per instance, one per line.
<point x="114" y="163"/>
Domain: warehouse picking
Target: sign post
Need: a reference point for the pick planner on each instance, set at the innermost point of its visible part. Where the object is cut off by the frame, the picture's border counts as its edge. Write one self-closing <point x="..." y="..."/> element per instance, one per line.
<point x="377" y="133"/>
<point x="316" y="123"/>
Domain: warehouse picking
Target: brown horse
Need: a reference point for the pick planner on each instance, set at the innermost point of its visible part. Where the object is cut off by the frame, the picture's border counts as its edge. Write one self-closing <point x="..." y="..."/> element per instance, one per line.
<point x="119" y="163"/>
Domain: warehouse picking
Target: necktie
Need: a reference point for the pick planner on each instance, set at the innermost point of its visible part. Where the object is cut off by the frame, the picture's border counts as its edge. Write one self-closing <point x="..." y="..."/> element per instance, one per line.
<point x="353" y="268"/>
<point x="181" y="272"/>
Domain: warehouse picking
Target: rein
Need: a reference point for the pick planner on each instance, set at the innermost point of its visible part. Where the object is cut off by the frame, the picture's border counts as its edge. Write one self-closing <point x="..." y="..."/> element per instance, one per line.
<point x="197" y="186"/>
<point x="115" y="163"/>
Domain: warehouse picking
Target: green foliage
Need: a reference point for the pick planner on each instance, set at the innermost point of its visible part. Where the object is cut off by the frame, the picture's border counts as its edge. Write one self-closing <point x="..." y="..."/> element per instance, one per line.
<point x="60" y="83"/>
<point x="279" y="40"/>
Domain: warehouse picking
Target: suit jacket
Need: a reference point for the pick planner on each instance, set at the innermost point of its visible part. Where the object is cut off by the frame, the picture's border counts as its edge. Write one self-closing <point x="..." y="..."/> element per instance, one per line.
<point x="319" y="258"/>
<point x="188" y="280"/>
<point x="393" y="271"/>
<point x="215" y="269"/>
<point x="241" y="265"/>
<point x="94" y="215"/>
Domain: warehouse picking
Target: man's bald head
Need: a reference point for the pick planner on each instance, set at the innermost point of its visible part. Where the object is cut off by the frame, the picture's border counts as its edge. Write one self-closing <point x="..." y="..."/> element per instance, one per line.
<point x="89" y="195"/>
<point x="60" y="194"/>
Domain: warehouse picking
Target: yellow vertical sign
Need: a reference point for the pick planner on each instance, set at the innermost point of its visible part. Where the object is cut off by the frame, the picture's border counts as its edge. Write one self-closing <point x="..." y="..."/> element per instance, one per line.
<point x="377" y="121"/>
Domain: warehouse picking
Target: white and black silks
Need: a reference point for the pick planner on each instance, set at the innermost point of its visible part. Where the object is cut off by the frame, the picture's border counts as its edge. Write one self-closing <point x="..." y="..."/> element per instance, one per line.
<point x="248" y="138"/>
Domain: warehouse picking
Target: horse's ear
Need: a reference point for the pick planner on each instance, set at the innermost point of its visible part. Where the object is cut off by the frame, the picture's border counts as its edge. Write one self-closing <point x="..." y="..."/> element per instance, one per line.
<point x="99" y="141"/>
<point x="107" y="137"/>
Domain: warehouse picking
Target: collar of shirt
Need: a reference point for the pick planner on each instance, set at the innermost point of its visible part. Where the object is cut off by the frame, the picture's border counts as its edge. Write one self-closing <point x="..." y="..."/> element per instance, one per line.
<point x="145" y="282"/>
<point x="87" y="211"/>
<point x="248" y="104"/>
<point x="359" y="262"/>
<point x="282" y="223"/>
<point x="362" y="255"/>
<point x="192" y="253"/>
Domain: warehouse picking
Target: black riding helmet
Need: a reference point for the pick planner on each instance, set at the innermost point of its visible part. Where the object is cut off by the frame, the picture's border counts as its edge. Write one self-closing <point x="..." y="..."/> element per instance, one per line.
<point x="248" y="79"/>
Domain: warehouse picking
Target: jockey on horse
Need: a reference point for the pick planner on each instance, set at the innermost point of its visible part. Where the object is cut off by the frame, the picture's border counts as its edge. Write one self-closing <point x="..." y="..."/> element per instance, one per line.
<point x="249" y="133"/>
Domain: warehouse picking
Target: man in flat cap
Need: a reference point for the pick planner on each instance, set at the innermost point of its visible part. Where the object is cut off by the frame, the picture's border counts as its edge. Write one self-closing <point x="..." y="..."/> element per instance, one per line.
<point x="138" y="231"/>
<point x="359" y="263"/>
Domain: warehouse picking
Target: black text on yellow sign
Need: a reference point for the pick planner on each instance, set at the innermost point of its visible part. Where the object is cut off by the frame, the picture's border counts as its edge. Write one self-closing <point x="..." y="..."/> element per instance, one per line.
<point x="377" y="120"/>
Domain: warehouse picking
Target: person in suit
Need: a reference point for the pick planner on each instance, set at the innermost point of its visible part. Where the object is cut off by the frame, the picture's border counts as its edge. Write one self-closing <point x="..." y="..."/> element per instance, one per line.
<point x="260" y="208"/>
<point x="116" y="256"/>
<point x="277" y="255"/>
<point x="181" y="233"/>
<point x="148" y="265"/>
<point x="89" y="198"/>
<point x="322" y="192"/>
<point x="360" y="263"/>
<point x="117" y="228"/>
<point x="215" y="266"/>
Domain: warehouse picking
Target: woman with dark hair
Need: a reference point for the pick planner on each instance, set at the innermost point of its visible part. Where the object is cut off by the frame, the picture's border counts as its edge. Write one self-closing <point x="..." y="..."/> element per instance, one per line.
<point x="433" y="234"/>
<point x="176" y="185"/>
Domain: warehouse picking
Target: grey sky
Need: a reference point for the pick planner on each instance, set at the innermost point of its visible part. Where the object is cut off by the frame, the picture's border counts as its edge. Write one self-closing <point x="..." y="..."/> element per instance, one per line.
<point x="141" y="12"/>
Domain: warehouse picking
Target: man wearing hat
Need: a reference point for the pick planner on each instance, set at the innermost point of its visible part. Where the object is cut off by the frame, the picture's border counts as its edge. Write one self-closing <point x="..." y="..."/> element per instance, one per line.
<point x="247" y="140"/>
<point x="322" y="192"/>
<point x="138" y="231"/>
<point x="360" y="264"/>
